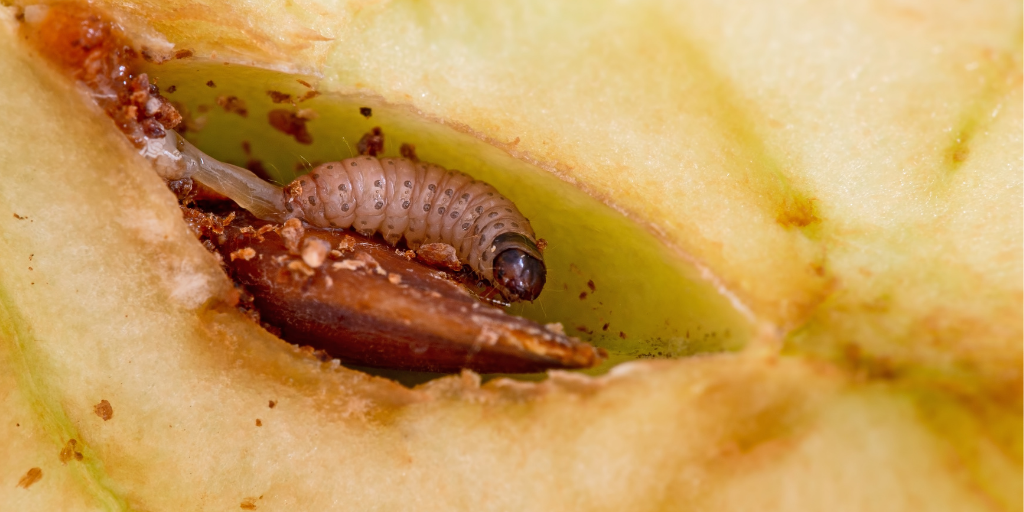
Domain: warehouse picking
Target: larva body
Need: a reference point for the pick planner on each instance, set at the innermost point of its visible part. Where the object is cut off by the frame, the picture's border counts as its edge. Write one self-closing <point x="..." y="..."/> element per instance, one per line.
<point x="425" y="203"/>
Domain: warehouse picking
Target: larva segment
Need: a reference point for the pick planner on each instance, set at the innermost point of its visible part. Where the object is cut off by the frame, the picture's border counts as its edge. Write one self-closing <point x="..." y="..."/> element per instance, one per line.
<point x="368" y="184"/>
<point x="335" y="190"/>
<point x="401" y="179"/>
<point x="445" y="206"/>
<point x="428" y="179"/>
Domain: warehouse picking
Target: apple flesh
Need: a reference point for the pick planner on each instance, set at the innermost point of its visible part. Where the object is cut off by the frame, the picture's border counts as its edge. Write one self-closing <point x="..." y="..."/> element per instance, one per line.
<point x="120" y="304"/>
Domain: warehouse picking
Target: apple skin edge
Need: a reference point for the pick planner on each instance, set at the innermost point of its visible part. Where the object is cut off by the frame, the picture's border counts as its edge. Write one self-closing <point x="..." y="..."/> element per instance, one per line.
<point x="190" y="380"/>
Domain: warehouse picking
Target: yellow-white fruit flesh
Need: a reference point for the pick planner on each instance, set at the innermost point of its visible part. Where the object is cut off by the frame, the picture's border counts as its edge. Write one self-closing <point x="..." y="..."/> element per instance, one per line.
<point x="856" y="169"/>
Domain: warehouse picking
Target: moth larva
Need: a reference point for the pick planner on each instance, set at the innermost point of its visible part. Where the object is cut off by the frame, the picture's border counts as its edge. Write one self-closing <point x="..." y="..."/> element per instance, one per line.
<point x="398" y="198"/>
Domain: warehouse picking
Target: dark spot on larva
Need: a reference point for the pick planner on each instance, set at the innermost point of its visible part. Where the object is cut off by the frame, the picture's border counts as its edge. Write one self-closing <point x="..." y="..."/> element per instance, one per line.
<point x="353" y="164"/>
<point x="509" y="210"/>
<point x="391" y="226"/>
<point x="479" y="209"/>
<point x="343" y="187"/>
<point x="363" y="223"/>
<point x="489" y="194"/>
<point x="344" y="207"/>
<point x="368" y="159"/>
<point x="312" y="200"/>
<point x="331" y="222"/>
<point x="499" y="225"/>
<point x="288" y="206"/>
<point x="465" y="227"/>
<point x="515" y="225"/>
<point x="454" y="215"/>
<point x="426" y="207"/>
<point x="316" y="176"/>
<point x="366" y="112"/>
<point x="449" y="192"/>
<point x="440" y="211"/>
<point x="330" y="167"/>
<point x="405" y="205"/>
<point x="379" y="205"/>
<point x="482" y="241"/>
<point x="376" y="183"/>
<point x="171" y="89"/>
<point x="408" y="184"/>
<point x="492" y="215"/>
<point x="465" y="196"/>
<point x="209" y="83"/>
<point x="431" y="187"/>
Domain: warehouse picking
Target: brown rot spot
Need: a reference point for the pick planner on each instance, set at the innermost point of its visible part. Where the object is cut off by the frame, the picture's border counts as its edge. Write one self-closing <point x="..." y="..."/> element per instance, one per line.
<point x="272" y="403"/>
<point x="309" y="95"/>
<point x="590" y="284"/>
<point x="70" y="452"/>
<point x="279" y="97"/>
<point x="798" y="213"/>
<point x="103" y="410"/>
<point x="583" y="295"/>
<point x="248" y="504"/>
<point x="171" y="89"/>
<point x="290" y="123"/>
<point x="622" y="335"/>
<point x="210" y="83"/>
<point x="366" y="112"/>
<point x="605" y="327"/>
<point x="408" y="151"/>
<point x="234" y="105"/>
<point x="183" y="54"/>
<point x="259" y="423"/>
<point x="372" y="143"/>
<point x="32" y="476"/>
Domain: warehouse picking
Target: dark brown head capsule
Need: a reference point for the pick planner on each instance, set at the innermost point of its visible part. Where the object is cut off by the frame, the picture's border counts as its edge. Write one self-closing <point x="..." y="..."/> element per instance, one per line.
<point x="519" y="271"/>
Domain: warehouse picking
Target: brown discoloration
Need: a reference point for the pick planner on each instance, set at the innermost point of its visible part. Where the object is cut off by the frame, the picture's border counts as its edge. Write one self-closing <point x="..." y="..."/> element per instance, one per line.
<point x="372" y="143"/>
<point x="70" y="452"/>
<point x="408" y="151"/>
<point x="183" y="54"/>
<point x="104" y="410"/>
<point x="248" y="503"/>
<point x="31" y="476"/>
<point x="290" y="123"/>
<point x="798" y="213"/>
<point x="233" y="104"/>
<point x="592" y="286"/>
<point x="279" y="97"/>
<point x="272" y="403"/>
<point x="428" y="323"/>
<point x="308" y="96"/>
<point x="259" y="423"/>
<point x="211" y="84"/>
<point x="304" y="83"/>
<point x="583" y="295"/>
<point x="366" y="112"/>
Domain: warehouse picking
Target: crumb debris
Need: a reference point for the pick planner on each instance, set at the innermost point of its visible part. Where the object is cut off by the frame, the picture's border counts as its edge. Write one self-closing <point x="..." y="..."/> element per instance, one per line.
<point x="299" y="268"/>
<point x="542" y="244"/>
<point x="245" y="253"/>
<point x="314" y="251"/>
<point x="555" y="327"/>
<point x="292" y="232"/>
<point x="395" y="279"/>
<point x="366" y="112"/>
<point x="290" y="123"/>
<point x="103" y="410"/>
<point x="32" y="476"/>
<point x="348" y="265"/>
<point x="439" y="255"/>
<point x="347" y="244"/>
<point x="233" y="104"/>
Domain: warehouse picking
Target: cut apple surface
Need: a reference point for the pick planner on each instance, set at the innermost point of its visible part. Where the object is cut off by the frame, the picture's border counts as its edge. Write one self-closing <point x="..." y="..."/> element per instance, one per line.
<point x="840" y="183"/>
